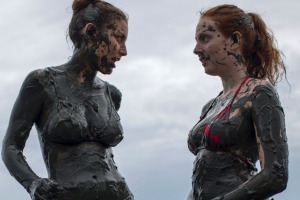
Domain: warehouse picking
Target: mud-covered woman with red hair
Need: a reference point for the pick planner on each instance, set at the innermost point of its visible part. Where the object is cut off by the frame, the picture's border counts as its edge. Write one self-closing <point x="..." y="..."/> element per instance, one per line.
<point x="75" y="113"/>
<point x="245" y="122"/>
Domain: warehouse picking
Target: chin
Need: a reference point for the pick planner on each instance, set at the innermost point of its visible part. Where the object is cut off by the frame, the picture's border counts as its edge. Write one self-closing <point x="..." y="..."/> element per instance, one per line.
<point x="209" y="72"/>
<point x="107" y="69"/>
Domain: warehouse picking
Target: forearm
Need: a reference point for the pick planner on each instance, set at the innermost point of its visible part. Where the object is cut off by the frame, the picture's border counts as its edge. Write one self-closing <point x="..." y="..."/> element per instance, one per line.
<point x="261" y="186"/>
<point x="273" y="177"/>
<point x="12" y="152"/>
<point x="17" y="166"/>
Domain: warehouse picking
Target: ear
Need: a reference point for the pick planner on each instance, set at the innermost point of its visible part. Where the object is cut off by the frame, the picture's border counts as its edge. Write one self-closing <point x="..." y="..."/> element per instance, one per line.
<point x="236" y="40"/>
<point x="89" y="29"/>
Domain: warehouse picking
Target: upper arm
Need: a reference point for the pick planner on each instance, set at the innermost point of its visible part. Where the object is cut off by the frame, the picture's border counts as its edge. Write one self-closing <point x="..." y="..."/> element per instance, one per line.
<point x="269" y="122"/>
<point x="25" y="112"/>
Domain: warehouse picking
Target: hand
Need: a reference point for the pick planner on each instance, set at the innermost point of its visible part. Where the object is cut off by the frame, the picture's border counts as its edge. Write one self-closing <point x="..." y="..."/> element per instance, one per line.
<point x="218" y="198"/>
<point x="44" y="189"/>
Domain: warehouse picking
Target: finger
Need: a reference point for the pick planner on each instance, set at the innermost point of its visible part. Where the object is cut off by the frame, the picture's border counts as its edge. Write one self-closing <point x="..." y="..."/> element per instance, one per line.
<point x="46" y="192"/>
<point x="49" y="195"/>
<point x="55" y="186"/>
<point x="38" y="196"/>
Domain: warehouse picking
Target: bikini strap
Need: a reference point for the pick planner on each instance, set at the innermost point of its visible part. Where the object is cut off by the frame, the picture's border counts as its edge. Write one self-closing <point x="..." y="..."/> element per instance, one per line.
<point x="238" y="90"/>
<point x="215" y="100"/>
<point x="210" y="107"/>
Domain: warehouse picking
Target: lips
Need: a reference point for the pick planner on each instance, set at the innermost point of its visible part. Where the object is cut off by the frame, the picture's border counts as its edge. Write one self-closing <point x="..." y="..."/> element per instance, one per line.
<point x="115" y="59"/>
<point x="203" y="58"/>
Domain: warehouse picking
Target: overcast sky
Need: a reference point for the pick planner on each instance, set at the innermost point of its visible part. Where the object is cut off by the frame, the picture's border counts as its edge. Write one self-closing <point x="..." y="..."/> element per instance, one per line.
<point x="162" y="81"/>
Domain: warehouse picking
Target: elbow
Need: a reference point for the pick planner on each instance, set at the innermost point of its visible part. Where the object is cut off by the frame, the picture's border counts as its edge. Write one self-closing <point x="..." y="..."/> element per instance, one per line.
<point x="280" y="183"/>
<point x="5" y="152"/>
<point x="280" y="176"/>
<point x="277" y="180"/>
<point x="8" y="154"/>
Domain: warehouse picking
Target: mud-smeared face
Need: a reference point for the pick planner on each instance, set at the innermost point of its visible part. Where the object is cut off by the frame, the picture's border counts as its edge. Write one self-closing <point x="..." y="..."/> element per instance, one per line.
<point x="110" y="46"/>
<point x="213" y="48"/>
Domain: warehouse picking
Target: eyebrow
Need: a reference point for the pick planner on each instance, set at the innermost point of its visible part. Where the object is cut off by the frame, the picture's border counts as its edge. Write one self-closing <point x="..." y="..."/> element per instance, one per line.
<point x="200" y="35"/>
<point x="211" y="28"/>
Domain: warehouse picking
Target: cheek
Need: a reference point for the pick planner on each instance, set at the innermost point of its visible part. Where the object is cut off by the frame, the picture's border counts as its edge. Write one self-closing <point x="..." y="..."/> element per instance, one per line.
<point x="113" y="47"/>
<point x="222" y="50"/>
<point x="102" y="49"/>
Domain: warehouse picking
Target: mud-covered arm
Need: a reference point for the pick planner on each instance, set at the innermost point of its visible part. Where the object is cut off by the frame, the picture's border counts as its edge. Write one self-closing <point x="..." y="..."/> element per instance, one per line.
<point x="25" y="112"/>
<point x="269" y="121"/>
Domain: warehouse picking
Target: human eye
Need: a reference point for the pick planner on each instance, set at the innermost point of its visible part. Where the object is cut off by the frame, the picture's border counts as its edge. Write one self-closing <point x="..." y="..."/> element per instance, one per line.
<point x="204" y="38"/>
<point x="120" y="38"/>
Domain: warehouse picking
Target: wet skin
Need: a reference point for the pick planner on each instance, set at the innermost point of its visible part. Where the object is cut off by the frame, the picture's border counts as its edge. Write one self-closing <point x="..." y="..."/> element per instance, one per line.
<point x="235" y="132"/>
<point x="75" y="114"/>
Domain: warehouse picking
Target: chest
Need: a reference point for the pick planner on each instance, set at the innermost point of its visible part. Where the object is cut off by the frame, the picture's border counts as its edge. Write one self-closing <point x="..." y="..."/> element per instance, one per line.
<point x="74" y="113"/>
<point x="225" y="127"/>
<point x="86" y="102"/>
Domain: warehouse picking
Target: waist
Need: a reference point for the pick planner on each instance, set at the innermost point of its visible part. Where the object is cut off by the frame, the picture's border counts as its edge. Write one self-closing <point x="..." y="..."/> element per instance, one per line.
<point x="216" y="166"/>
<point x="78" y="161"/>
<point x="220" y="160"/>
<point x="96" y="190"/>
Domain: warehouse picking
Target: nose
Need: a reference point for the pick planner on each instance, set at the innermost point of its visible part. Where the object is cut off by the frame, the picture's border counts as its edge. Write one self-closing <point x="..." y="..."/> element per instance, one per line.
<point x="197" y="50"/>
<point x="123" y="51"/>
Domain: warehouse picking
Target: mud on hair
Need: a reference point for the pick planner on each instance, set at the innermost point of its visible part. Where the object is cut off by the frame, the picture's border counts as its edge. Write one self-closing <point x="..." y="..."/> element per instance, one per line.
<point x="97" y="12"/>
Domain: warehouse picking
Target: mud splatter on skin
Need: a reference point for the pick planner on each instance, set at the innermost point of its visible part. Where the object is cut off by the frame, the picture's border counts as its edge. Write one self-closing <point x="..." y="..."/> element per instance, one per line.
<point x="204" y="34"/>
<point x="102" y="46"/>
<point x="211" y="28"/>
<point x="238" y="57"/>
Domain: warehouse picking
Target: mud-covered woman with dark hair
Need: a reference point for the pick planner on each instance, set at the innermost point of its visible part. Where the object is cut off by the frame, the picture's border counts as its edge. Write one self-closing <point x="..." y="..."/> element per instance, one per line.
<point x="75" y="113"/>
<point x="245" y="122"/>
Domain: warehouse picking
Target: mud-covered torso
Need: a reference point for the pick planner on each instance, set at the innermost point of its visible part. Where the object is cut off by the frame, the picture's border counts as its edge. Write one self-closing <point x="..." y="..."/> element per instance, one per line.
<point x="219" y="132"/>
<point x="225" y="141"/>
<point x="75" y="114"/>
<point x="77" y="127"/>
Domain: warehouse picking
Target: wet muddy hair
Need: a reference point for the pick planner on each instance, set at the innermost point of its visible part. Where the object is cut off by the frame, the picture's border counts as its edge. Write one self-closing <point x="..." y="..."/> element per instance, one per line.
<point x="97" y="12"/>
<point x="259" y="48"/>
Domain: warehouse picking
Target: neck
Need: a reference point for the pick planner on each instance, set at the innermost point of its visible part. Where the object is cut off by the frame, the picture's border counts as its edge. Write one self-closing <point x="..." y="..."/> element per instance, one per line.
<point x="81" y="68"/>
<point x="232" y="80"/>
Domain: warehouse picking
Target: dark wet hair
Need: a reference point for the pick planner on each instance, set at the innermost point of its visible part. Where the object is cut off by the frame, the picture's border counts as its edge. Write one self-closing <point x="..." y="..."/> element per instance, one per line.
<point x="259" y="48"/>
<point x="97" y="12"/>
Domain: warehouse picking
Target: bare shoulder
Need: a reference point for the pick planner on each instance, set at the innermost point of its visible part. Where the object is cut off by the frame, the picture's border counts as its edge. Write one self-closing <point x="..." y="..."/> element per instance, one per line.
<point x="254" y="82"/>
<point x="255" y="85"/>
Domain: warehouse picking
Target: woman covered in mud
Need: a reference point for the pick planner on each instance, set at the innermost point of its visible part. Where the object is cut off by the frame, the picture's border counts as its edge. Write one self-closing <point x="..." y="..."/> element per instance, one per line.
<point x="245" y="122"/>
<point x="75" y="113"/>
